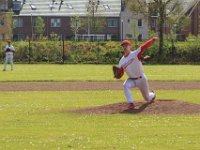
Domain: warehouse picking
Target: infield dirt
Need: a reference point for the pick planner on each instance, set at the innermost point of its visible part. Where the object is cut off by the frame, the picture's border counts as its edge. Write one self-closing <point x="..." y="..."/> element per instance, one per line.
<point x="171" y="107"/>
<point x="91" y="85"/>
<point x="158" y="107"/>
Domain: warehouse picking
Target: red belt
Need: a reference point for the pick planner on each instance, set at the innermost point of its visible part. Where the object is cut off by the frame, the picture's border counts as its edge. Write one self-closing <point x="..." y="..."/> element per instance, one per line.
<point x="136" y="78"/>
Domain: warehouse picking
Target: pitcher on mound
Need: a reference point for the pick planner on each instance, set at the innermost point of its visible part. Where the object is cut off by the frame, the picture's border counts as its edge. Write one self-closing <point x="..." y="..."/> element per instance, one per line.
<point x="132" y="65"/>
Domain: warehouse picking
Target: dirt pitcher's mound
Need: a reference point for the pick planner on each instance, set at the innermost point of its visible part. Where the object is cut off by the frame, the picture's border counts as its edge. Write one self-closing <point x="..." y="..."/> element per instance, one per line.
<point x="158" y="107"/>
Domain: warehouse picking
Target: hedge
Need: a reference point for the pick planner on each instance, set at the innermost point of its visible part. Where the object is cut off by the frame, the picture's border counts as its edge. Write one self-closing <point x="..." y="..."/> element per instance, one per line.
<point x="108" y="52"/>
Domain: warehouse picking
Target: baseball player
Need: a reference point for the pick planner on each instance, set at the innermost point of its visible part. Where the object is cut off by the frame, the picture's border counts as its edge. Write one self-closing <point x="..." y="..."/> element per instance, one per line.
<point x="132" y="65"/>
<point x="9" y="50"/>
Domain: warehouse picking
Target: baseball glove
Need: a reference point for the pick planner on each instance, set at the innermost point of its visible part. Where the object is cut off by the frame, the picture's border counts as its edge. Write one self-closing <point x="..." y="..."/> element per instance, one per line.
<point x="118" y="72"/>
<point x="8" y="50"/>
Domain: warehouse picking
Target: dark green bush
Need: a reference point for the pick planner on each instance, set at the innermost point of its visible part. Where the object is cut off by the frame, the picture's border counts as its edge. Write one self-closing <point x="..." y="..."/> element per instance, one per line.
<point x="101" y="52"/>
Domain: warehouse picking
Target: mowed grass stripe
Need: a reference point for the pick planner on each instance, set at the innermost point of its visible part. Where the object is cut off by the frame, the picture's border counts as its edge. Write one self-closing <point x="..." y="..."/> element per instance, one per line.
<point x="59" y="72"/>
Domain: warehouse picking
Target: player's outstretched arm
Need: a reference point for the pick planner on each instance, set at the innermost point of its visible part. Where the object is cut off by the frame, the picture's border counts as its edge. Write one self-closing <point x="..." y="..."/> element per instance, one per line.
<point x="146" y="45"/>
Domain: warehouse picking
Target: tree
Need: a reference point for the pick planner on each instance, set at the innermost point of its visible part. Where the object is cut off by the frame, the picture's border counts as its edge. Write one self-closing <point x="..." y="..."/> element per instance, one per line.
<point x="183" y="22"/>
<point x="75" y="24"/>
<point x="159" y="8"/>
<point x="6" y="24"/>
<point x="100" y="24"/>
<point x="95" y="22"/>
<point x="39" y="25"/>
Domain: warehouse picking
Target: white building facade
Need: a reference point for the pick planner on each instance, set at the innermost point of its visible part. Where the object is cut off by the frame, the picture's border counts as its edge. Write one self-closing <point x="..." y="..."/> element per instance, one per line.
<point x="133" y="25"/>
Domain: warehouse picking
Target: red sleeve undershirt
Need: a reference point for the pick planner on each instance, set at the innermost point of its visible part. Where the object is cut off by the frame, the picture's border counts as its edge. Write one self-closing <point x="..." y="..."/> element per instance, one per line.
<point x="145" y="46"/>
<point x="122" y="71"/>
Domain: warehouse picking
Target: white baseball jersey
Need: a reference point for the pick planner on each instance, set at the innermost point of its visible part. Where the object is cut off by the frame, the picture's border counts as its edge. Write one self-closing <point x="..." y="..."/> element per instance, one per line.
<point x="10" y="53"/>
<point x="131" y="64"/>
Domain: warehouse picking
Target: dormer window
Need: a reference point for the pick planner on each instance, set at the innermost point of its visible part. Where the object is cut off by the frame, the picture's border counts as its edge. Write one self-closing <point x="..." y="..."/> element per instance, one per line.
<point x="106" y="7"/>
<point x="69" y="6"/>
<point x="17" y="6"/>
<point x="33" y="7"/>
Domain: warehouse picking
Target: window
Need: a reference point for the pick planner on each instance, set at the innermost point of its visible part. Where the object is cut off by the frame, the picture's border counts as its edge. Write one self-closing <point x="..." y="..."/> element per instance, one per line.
<point x="69" y="6"/>
<point x="109" y="36"/>
<point x="140" y="37"/>
<point x="3" y="6"/>
<point x="153" y="23"/>
<point x="2" y="21"/>
<point x="19" y="37"/>
<point x="3" y="36"/>
<point x="55" y="22"/>
<point x="106" y="7"/>
<point x="139" y="22"/>
<point x="112" y="23"/>
<point x="18" y="22"/>
<point x="33" y="22"/>
<point x="129" y="36"/>
<point x="33" y="7"/>
<point x="16" y="5"/>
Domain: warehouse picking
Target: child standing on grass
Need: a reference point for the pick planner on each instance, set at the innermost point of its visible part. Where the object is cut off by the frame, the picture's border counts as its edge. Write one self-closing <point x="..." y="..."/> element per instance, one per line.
<point x="9" y="50"/>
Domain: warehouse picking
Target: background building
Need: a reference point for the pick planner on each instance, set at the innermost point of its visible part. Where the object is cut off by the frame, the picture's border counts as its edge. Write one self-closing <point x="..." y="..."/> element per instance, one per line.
<point x="57" y="16"/>
<point x="193" y="11"/>
<point x="190" y="9"/>
<point x="133" y="25"/>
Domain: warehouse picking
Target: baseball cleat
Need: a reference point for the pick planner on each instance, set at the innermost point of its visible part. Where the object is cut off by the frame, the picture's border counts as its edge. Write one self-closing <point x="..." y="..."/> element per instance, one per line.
<point x="131" y="106"/>
<point x="153" y="99"/>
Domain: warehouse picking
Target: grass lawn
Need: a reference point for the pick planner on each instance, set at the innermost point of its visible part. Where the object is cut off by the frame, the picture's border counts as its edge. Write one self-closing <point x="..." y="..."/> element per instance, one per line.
<point x="55" y="72"/>
<point x="38" y="120"/>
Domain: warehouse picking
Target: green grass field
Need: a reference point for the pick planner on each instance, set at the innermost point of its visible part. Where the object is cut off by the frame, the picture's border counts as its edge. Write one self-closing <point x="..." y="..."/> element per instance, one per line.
<point x="46" y="72"/>
<point x="39" y="120"/>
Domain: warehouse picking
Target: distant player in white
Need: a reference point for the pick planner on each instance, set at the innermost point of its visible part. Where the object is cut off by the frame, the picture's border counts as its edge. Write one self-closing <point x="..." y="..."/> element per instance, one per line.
<point x="9" y="50"/>
<point x="133" y="67"/>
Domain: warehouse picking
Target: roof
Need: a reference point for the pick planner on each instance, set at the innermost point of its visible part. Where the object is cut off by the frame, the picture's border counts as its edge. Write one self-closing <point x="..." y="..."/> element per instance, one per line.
<point x="187" y="4"/>
<point x="191" y="7"/>
<point x="105" y="8"/>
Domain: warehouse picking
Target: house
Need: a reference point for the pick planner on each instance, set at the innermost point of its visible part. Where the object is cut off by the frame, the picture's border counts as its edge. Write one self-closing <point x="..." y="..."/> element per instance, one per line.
<point x="57" y="16"/>
<point x="193" y="11"/>
<point x="190" y="8"/>
<point x="133" y="25"/>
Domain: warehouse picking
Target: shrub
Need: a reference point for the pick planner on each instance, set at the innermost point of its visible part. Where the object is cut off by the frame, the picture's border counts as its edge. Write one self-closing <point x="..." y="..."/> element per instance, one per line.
<point x="101" y="52"/>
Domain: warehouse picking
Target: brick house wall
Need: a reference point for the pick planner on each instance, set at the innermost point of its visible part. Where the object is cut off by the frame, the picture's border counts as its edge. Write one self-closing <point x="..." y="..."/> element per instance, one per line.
<point x="195" y="16"/>
<point x="194" y="27"/>
<point x="26" y="31"/>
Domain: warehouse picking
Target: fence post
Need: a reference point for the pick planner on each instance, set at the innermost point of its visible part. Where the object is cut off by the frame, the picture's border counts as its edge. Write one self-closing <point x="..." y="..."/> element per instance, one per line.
<point x="29" y="49"/>
<point x="63" y="49"/>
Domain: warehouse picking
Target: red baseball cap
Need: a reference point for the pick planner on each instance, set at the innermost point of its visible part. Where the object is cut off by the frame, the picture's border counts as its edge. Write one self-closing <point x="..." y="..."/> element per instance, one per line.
<point x="126" y="42"/>
<point x="8" y="40"/>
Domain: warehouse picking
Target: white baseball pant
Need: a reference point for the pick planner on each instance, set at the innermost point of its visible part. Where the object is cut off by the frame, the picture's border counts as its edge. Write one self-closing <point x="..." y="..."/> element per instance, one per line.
<point x="142" y="84"/>
<point x="10" y="59"/>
